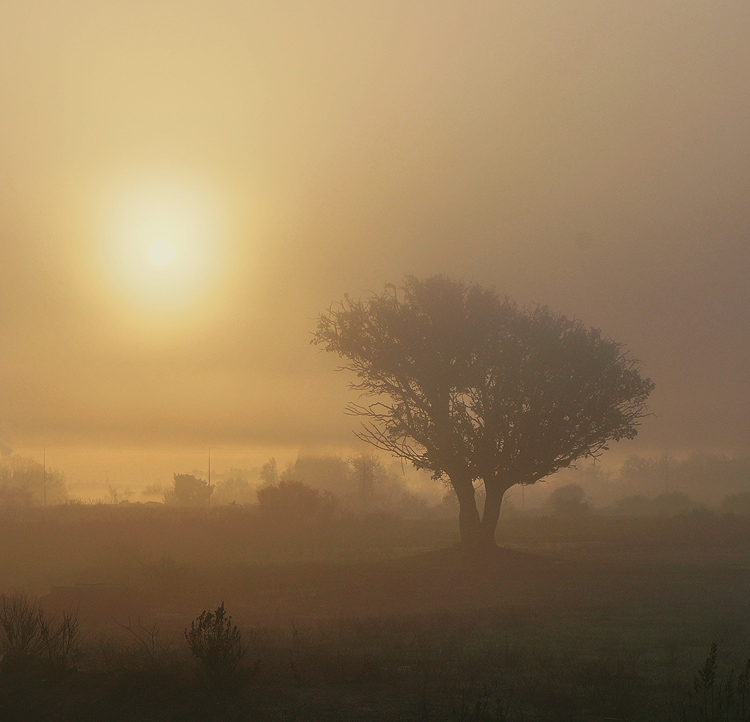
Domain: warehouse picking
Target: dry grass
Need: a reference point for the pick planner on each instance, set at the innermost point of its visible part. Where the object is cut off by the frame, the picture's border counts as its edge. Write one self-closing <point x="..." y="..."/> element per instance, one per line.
<point x="572" y="623"/>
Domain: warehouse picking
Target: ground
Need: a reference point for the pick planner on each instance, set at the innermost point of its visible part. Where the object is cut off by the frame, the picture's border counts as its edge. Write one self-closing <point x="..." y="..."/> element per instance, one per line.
<point x="570" y="619"/>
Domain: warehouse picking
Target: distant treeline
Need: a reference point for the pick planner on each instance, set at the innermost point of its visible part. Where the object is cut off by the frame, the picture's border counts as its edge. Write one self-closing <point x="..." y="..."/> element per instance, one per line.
<point x="641" y="486"/>
<point x="360" y="482"/>
<point x="662" y="485"/>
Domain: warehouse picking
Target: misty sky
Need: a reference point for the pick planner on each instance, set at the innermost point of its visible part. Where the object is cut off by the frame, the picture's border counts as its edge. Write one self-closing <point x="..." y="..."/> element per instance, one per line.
<point x="592" y="156"/>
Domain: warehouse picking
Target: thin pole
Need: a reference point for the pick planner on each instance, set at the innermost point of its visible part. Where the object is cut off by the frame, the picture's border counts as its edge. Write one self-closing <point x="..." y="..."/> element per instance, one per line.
<point x="44" y="475"/>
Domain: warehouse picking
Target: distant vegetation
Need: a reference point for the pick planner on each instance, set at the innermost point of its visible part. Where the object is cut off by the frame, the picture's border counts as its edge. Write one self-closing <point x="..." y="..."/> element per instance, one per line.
<point x="361" y="483"/>
<point x="341" y="615"/>
<point x="25" y="482"/>
<point x="640" y="486"/>
<point x="188" y="490"/>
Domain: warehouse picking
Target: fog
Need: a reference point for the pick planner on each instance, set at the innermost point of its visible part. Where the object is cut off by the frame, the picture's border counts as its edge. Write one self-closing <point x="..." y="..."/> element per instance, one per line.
<point x="590" y="157"/>
<point x="186" y="187"/>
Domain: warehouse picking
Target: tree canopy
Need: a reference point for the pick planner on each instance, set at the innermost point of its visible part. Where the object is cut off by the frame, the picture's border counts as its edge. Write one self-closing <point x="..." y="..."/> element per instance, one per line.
<point x="188" y="490"/>
<point x="471" y="386"/>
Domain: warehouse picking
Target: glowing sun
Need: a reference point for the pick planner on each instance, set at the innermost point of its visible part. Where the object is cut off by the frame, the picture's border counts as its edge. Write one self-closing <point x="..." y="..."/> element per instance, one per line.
<point x="164" y="243"/>
<point x="162" y="251"/>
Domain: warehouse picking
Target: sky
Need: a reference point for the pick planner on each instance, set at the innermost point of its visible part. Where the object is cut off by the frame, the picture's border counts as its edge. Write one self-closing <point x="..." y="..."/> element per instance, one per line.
<point x="590" y="156"/>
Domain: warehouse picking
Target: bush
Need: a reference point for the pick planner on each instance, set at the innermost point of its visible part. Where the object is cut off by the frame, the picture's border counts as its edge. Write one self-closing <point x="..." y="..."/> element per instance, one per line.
<point x="30" y="638"/>
<point x="20" y="618"/>
<point x="217" y="646"/>
<point x="60" y="639"/>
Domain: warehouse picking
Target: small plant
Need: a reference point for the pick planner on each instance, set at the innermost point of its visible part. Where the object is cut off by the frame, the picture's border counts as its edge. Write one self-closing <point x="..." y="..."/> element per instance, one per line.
<point x="217" y="646"/>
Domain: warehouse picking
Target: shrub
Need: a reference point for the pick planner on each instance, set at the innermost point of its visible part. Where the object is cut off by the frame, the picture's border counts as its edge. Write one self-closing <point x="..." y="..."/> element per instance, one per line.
<point x="30" y="637"/>
<point x="60" y="639"/>
<point x="217" y="646"/>
<point x="20" y="618"/>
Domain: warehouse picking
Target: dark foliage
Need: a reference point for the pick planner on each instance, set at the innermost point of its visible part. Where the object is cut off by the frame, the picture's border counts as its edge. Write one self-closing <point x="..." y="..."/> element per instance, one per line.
<point x="217" y="646"/>
<point x="294" y="499"/>
<point x="188" y="490"/>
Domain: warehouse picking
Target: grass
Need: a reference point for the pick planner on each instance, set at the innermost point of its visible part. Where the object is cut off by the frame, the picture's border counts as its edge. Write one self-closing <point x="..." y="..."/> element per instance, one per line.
<point x="574" y="620"/>
<point x="474" y="666"/>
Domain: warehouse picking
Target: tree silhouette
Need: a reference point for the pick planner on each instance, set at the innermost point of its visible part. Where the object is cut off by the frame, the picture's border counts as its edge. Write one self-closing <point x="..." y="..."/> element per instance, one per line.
<point x="473" y="387"/>
<point x="188" y="490"/>
<point x="293" y="500"/>
<point x="568" y="500"/>
<point x="23" y="481"/>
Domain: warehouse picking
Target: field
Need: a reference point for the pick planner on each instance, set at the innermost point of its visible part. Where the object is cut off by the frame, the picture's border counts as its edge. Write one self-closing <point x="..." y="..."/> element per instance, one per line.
<point x="381" y="618"/>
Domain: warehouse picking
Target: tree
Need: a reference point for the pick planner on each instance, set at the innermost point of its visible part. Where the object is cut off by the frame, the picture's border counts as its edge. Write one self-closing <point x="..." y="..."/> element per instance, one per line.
<point x="568" y="500"/>
<point x="233" y="488"/>
<point x="326" y="472"/>
<point x="474" y="388"/>
<point x="269" y="473"/>
<point x="188" y="490"/>
<point x="23" y="482"/>
<point x="294" y="500"/>
<point x="366" y="471"/>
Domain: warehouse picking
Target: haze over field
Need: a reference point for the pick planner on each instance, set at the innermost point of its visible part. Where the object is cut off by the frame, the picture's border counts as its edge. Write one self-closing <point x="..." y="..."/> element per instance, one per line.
<point x="520" y="228"/>
<point x="589" y="156"/>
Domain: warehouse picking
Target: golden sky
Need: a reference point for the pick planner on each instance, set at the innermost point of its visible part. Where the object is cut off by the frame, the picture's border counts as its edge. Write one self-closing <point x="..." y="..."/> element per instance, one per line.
<point x="591" y="156"/>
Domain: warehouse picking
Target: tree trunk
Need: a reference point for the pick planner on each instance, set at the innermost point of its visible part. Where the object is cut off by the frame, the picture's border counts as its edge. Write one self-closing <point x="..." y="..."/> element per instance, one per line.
<point x="469" y="523"/>
<point x="492" y="503"/>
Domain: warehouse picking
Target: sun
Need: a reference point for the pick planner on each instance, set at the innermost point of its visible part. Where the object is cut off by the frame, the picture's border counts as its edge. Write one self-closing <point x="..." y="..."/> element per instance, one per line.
<point x="162" y="251"/>
<point x="163" y="243"/>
